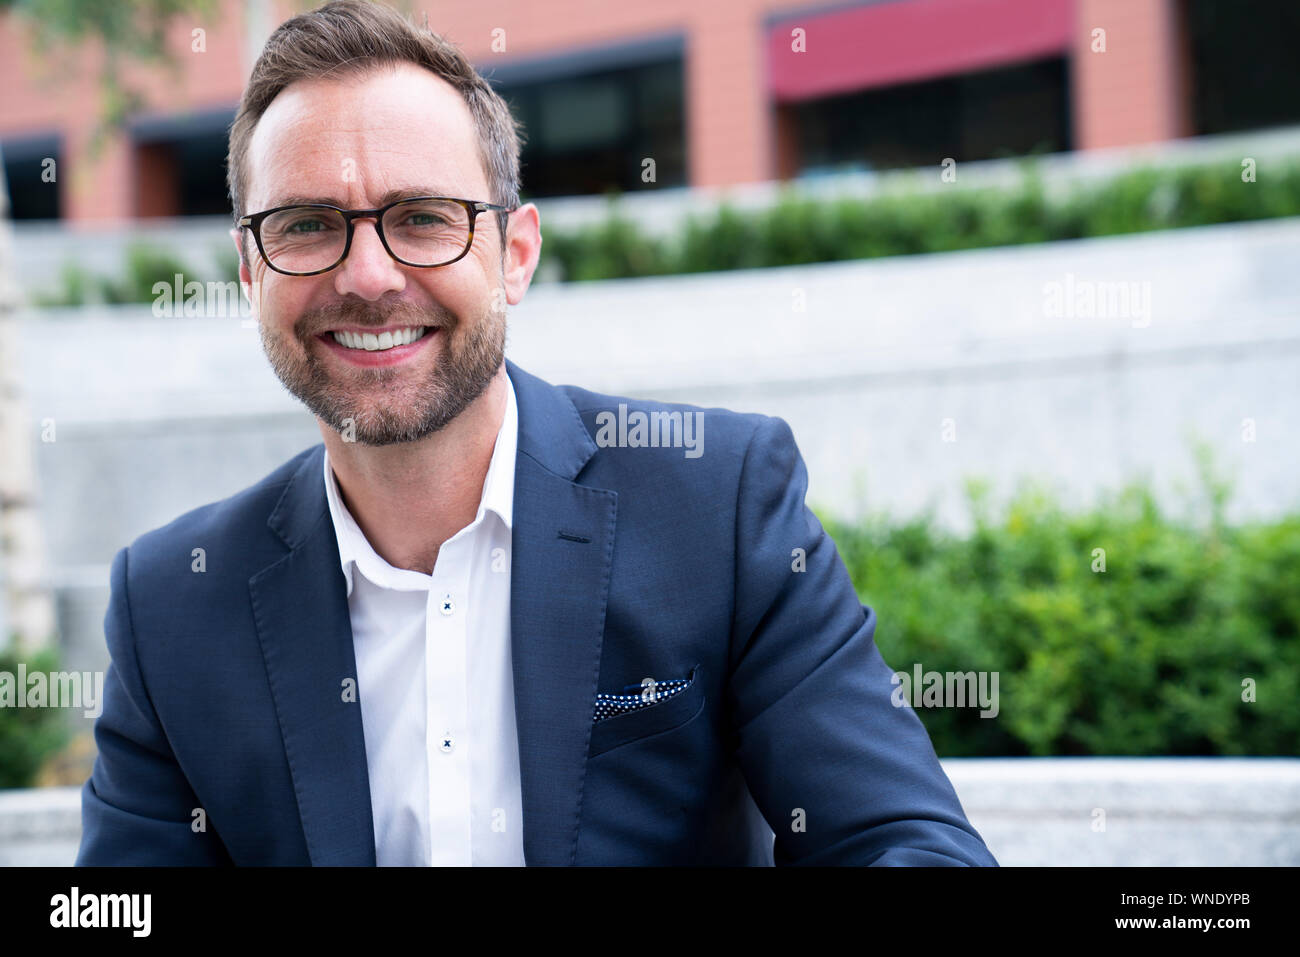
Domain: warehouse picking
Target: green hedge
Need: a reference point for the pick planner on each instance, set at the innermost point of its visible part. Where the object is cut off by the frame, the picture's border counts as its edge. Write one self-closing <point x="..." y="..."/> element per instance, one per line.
<point x="145" y="266"/>
<point x="797" y="229"/>
<point x="28" y="736"/>
<point x="1145" y="658"/>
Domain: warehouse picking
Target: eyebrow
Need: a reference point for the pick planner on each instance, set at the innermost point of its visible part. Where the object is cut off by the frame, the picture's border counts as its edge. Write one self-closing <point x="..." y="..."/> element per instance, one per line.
<point x="392" y="196"/>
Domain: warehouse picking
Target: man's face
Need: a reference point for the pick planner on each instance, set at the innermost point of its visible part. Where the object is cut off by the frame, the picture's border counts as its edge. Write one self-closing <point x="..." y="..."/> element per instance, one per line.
<point x="352" y="142"/>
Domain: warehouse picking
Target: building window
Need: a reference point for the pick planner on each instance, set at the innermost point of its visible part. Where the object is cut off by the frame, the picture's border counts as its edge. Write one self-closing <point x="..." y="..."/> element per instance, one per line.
<point x="590" y="130"/>
<point x="1009" y="111"/>
<point x="1244" y="69"/>
<point x="32" y="179"/>
<point x="180" y="165"/>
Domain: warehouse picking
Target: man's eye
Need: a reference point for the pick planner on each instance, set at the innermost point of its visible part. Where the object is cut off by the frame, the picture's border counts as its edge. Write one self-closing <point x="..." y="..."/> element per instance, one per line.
<point x="306" y="226"/>
<point x="424" y="219"/>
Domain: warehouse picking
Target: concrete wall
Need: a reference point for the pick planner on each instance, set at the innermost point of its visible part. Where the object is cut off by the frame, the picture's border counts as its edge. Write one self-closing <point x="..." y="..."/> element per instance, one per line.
<point x="1031" y="812"/>
<point x="885" y="352"/>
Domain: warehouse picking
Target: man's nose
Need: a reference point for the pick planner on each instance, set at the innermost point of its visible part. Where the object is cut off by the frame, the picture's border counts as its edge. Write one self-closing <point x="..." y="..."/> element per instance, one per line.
<point x="368" y="271"/>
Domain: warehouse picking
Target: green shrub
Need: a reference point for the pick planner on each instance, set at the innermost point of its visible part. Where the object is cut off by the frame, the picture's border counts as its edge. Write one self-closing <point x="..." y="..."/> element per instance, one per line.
<point x="227" y="261"/>
<point x="145" y="266"/>
<point x="28" y="736"/>
<point x="1147" y="657"/>
<point x="612" y="247"/>
<point x="76" y="287"/>
<point x="900" y="222"/>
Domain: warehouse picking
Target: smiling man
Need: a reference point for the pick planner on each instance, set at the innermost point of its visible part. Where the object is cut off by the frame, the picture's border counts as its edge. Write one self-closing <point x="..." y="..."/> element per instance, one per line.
<point x="489" y="620"/>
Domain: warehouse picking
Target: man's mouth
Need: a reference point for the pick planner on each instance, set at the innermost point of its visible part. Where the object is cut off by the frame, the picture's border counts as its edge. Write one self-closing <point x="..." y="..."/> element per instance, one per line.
<point x="370" y="342"/>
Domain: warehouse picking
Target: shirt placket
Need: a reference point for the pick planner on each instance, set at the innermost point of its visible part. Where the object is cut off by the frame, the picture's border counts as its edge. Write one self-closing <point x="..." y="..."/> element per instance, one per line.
<point x="447" y="713"/>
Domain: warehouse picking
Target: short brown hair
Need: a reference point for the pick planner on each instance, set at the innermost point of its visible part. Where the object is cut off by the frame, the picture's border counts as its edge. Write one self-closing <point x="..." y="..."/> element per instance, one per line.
<point x="351" y="36"/>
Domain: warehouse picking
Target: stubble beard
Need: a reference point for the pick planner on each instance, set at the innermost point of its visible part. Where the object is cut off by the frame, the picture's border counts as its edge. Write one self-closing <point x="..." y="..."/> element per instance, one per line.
<point x="471" y="354"/>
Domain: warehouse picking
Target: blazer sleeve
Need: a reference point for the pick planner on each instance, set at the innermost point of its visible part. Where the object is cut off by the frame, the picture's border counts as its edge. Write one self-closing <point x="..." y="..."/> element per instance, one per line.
<point x="137" y="808"/>
<point x="841" y="774"/>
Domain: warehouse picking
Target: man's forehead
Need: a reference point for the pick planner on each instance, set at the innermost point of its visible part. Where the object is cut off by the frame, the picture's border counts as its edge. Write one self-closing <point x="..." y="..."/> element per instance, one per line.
<point x="386" y="128"/>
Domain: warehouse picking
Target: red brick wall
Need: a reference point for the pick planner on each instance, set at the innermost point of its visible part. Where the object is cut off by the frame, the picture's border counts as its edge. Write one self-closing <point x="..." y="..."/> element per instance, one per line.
<point x="1136" y="91"/>
<point x="1131" y="93"/>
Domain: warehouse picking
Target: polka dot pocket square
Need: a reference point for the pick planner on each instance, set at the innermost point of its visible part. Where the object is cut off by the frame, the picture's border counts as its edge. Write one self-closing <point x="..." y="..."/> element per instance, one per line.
<point x="648" y="693"/>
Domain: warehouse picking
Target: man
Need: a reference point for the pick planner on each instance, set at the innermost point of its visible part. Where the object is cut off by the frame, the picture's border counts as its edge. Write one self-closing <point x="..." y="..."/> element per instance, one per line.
<point x="483" y="623"/>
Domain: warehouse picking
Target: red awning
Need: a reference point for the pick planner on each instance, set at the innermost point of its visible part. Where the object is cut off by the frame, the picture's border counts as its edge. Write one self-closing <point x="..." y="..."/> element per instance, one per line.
<point x="903" y="41"/>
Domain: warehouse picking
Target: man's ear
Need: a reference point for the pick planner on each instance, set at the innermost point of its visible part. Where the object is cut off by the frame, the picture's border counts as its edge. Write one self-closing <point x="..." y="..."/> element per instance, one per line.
<point x="245" y="276"/>
<point x="523" y="244"/>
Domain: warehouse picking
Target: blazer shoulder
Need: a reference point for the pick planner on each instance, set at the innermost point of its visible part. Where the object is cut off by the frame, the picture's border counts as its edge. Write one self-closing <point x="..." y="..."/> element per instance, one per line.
<point x="614" y="420"/>
<point x="239" y="517"/>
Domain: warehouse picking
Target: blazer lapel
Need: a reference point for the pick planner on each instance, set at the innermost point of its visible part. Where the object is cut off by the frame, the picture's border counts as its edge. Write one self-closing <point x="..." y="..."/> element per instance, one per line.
<point x="562" y="547"/>
<point x="301" y="609"/>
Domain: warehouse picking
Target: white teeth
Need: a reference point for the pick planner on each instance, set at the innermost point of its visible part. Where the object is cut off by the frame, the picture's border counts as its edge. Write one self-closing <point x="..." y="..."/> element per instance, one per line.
<point x="385" y="340"/>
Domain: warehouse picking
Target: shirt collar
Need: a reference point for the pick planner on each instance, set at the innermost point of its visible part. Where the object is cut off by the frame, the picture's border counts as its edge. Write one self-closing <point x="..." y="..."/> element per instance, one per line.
<point x="498" y="497"/>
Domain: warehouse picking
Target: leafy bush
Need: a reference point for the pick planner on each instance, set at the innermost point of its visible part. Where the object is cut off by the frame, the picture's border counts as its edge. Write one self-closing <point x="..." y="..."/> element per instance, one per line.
<point x="145" y="265"/>
<point x="28" y="736"/>
<point x="896" y="222"/>
<point x="612" y="247"/>
<point x="1147" y="657"/>
<point x="797" y="229"/>
<point x="76" y="287"/>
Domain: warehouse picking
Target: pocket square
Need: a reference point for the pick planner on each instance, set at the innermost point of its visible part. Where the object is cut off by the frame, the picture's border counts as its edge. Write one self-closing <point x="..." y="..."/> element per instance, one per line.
<point x="636" y="697"/>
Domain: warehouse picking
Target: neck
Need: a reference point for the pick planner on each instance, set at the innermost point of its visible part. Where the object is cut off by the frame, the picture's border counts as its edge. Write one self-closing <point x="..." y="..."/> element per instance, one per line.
<point x="436" y="482"/>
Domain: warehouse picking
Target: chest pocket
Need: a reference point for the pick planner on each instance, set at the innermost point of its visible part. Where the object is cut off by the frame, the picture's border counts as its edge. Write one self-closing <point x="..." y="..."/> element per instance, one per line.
<point x="672" y="712"/>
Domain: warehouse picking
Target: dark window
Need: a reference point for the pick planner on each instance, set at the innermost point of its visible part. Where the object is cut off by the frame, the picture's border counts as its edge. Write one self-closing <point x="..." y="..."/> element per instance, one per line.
<point x="591" y="133"/>
<point x="1011" y="111"/>
<point x="202" y="180"/>
<point x="33" y="192"/>
<point x="1244" y="66"/>
<point x="180" y="164"/>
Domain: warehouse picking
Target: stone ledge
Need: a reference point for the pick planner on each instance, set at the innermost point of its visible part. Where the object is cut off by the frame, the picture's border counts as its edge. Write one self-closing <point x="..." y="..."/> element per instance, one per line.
<point x="1181" y="812"/>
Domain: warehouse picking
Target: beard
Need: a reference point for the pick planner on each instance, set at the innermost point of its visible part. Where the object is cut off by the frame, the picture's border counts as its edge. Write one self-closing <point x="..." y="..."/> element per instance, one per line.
<point x="382" y="406"/>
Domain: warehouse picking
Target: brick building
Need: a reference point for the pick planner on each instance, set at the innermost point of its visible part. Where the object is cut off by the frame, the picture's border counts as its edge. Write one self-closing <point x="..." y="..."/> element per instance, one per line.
<point x="717" y="93"/>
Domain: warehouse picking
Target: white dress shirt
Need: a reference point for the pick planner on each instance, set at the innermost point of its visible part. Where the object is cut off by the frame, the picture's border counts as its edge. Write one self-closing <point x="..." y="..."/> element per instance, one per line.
<point x="435" y="684"/>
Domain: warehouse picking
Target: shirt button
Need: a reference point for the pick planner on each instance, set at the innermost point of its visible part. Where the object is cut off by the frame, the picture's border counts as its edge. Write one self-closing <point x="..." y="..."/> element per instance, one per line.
<point x="447" y="743"/>
<point x="448" y="606"/>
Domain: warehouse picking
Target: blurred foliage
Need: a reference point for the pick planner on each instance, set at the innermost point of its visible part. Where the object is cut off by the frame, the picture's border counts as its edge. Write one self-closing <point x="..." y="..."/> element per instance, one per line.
<point x="797" y="229"/>
<point x="613" y="247"/>
<point x="227" y="261"/>
<point x="1144" y="658"/>
<point x="28" y="736"/>
<point x="145" y="265"/>
<point x="900" y="222"/>
<point x="128" y="32"/>
<point x="77" y="287"/>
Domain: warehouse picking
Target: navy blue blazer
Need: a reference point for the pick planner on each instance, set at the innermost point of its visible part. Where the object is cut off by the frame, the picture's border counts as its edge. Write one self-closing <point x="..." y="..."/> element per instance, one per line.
<point x="224" y="692"/>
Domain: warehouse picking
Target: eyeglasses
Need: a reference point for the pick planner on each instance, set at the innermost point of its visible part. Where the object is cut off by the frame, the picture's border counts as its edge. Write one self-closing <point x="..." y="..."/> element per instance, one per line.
<point x="309" y="239"/>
